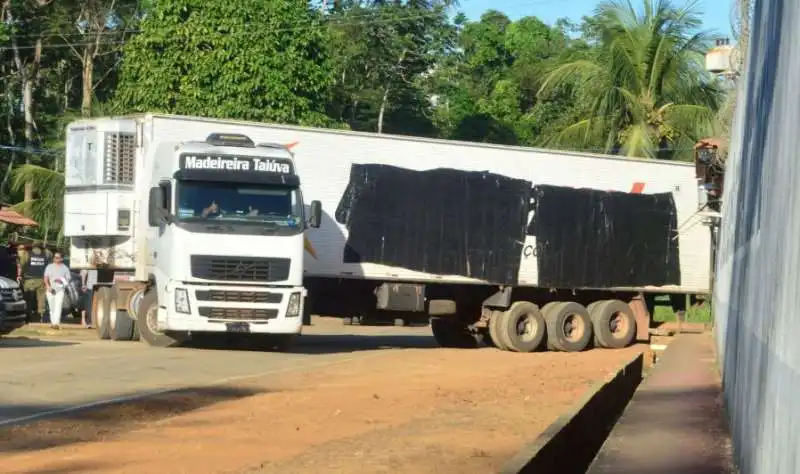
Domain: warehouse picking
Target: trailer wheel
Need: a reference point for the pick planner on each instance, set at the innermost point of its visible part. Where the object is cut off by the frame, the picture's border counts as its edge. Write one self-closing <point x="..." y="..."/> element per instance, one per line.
<point x="521" y="327"/>
<point x="119" y="322"/>
<point x="592" y="310"/>
<point x="147" y="324"/>
<point x="494" y="330"/>
<point x="614" y="324"/>
<point x="100" y="302"/>
<point x="546" y="309"/>
<point x="569" y="327"/>
<point x="449" y="332"/>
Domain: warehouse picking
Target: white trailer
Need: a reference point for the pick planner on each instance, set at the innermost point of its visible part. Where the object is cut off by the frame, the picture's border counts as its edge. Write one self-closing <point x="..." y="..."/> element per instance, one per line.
<point x="449" y="229"/>
<point x="194" y="227"/>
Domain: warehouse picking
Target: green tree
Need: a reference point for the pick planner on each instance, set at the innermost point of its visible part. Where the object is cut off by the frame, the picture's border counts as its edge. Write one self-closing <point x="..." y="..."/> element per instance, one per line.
<point x="383" y="53"/>
<point x="47" y="207"/>
<point x="648" y="92"/>
<point x="245" y="59"/>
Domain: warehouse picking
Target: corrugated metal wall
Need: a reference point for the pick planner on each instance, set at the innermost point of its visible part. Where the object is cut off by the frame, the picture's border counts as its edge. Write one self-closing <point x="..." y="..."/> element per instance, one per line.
<point x="757" y="297"/>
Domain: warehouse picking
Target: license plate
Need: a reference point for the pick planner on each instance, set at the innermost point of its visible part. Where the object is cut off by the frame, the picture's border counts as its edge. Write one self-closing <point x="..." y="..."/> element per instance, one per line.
<point x="238" y="327"/>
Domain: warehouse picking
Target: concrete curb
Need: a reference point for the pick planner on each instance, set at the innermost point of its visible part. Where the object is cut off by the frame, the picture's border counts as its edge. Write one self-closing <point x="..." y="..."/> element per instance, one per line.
<point x="570" y="444"/>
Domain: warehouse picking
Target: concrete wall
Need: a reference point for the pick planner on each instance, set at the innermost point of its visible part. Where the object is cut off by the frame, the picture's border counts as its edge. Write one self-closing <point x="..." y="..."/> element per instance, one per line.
<point x="757" y="299"/>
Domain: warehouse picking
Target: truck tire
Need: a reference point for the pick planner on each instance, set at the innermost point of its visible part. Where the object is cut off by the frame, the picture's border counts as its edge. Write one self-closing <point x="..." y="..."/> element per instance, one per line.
<point x="545" y="311"/>
<point x="591" y="309"/>
<point x="614" y="324"/>
<point x="494" y="331"/>
<point x="100" y="302"/>
<point x="147" y="325"/>
<point x="569" y="327"/>
<point x="521" y="328"/>
<point x="449" y="332"/>
<point x="119" y="321"/>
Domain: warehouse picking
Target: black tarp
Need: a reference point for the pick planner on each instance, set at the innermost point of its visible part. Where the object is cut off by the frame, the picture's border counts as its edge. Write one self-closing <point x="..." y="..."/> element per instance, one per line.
<point x="440" y="221"/>
<point x="598" y="239"/>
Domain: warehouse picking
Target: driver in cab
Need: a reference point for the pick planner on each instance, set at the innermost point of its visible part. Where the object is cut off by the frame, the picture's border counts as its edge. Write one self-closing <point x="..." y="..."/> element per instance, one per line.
<point x="213" y="208"/>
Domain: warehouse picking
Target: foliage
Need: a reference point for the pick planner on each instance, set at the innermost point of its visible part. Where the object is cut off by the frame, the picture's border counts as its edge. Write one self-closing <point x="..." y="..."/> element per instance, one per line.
<point x="47" y="208"/>
<point x="245" y="59"/>
<point x="645" y="81"/>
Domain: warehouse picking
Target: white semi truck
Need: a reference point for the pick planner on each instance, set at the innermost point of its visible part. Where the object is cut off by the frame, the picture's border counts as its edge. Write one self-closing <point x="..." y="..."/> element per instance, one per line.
<point x="194" y="227"/>
<point x="521" y="248"/>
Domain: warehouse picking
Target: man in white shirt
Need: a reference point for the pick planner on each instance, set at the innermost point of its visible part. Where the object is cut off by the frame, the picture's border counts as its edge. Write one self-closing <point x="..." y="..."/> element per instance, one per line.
<point x="56" y="279"/>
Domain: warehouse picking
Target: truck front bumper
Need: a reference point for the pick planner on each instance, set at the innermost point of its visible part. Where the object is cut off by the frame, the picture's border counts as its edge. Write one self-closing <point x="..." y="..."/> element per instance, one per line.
<point x="257" y="310"/>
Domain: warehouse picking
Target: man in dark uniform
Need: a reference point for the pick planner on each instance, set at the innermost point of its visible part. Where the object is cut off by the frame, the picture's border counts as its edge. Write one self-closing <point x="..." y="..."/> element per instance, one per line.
<point x="32" y="267"/>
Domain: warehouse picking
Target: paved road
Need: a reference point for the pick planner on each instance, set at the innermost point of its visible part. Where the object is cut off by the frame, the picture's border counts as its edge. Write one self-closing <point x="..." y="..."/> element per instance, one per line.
<point x="40" y="377"/>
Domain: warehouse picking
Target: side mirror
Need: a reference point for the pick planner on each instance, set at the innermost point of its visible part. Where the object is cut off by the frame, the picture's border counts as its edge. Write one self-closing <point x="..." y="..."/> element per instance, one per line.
<point x="154" y="209"/>
<point x="315" y="214"/>
<point x="157" y="207"/>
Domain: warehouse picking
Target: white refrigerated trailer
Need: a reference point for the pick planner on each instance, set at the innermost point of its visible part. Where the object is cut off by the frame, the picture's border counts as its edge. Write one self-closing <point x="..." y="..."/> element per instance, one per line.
<point x="194" y="227"/>
<point x="519" y="247"/>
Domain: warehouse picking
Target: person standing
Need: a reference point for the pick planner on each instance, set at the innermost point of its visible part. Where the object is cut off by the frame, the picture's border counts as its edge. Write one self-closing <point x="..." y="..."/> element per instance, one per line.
<point x="31" y="272"/>
<point x="56" y="279"/>
<point x="88" y="281"/>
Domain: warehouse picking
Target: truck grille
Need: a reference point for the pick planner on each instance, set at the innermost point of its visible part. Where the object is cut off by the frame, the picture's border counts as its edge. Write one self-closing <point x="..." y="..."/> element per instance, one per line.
<point x="238" y="314"/>
<point x="211" y="267"/>
<point x="238" y="296"/>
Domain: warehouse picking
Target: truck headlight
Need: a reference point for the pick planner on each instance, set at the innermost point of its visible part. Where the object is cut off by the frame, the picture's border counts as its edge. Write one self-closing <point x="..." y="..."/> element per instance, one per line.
<point x="293" y="307"/>
<point x="182" y="301"/>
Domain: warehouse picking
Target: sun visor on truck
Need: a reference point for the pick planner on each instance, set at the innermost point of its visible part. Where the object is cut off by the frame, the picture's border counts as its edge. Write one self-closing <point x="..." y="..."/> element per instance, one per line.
<point x="441" y="221"/>
<point x="588" y="238"/>
<point x="236" y="169"/>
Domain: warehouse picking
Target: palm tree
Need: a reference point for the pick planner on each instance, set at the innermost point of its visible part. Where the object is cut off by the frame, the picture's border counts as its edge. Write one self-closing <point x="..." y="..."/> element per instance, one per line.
<point x="47" y="208"/>
<point x="645" y="87"/>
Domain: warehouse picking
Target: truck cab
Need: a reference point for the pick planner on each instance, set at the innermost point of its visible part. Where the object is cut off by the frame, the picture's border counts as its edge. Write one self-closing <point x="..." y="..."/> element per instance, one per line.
<point x="216" y="242"/>
<point x="226" y="222"/>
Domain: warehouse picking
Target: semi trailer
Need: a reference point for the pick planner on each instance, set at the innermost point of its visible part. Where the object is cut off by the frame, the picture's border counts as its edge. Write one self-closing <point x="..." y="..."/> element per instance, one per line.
<point x="521" y="248"/>
<point x="194" y="226"/>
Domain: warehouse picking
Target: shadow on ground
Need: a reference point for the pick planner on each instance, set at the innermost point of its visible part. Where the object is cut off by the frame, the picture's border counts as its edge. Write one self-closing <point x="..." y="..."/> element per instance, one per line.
<point x="320" y="343"/>
<point x="22" y="341"/>
<point x="96" y="423"/>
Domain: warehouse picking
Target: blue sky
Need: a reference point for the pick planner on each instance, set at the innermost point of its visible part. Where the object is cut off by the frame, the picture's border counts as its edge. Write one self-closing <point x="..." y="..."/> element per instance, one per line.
<point x="716" y="13"/>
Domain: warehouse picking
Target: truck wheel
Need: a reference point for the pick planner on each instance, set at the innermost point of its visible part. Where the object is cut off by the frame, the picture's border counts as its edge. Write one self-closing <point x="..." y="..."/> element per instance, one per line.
<point x="494" y="330"/>
<point x="120" y="323"/>
<point x="100" y="302"/>
<point x="522" y="328"/>
<point x="448" y="332"/>
<point x="546" y="309"/>
<point x="614" y="324"/>
<point x="147" y="324"/>
<point x="591" y="309"/>
<point x="569" y="327"/>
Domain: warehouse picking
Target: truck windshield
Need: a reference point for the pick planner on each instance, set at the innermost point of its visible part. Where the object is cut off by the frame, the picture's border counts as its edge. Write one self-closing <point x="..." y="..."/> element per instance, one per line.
<point x="201" y="200"/>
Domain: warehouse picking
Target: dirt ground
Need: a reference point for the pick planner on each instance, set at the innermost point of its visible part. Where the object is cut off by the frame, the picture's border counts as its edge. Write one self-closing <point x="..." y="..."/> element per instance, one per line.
<point x="402" y="411"/>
